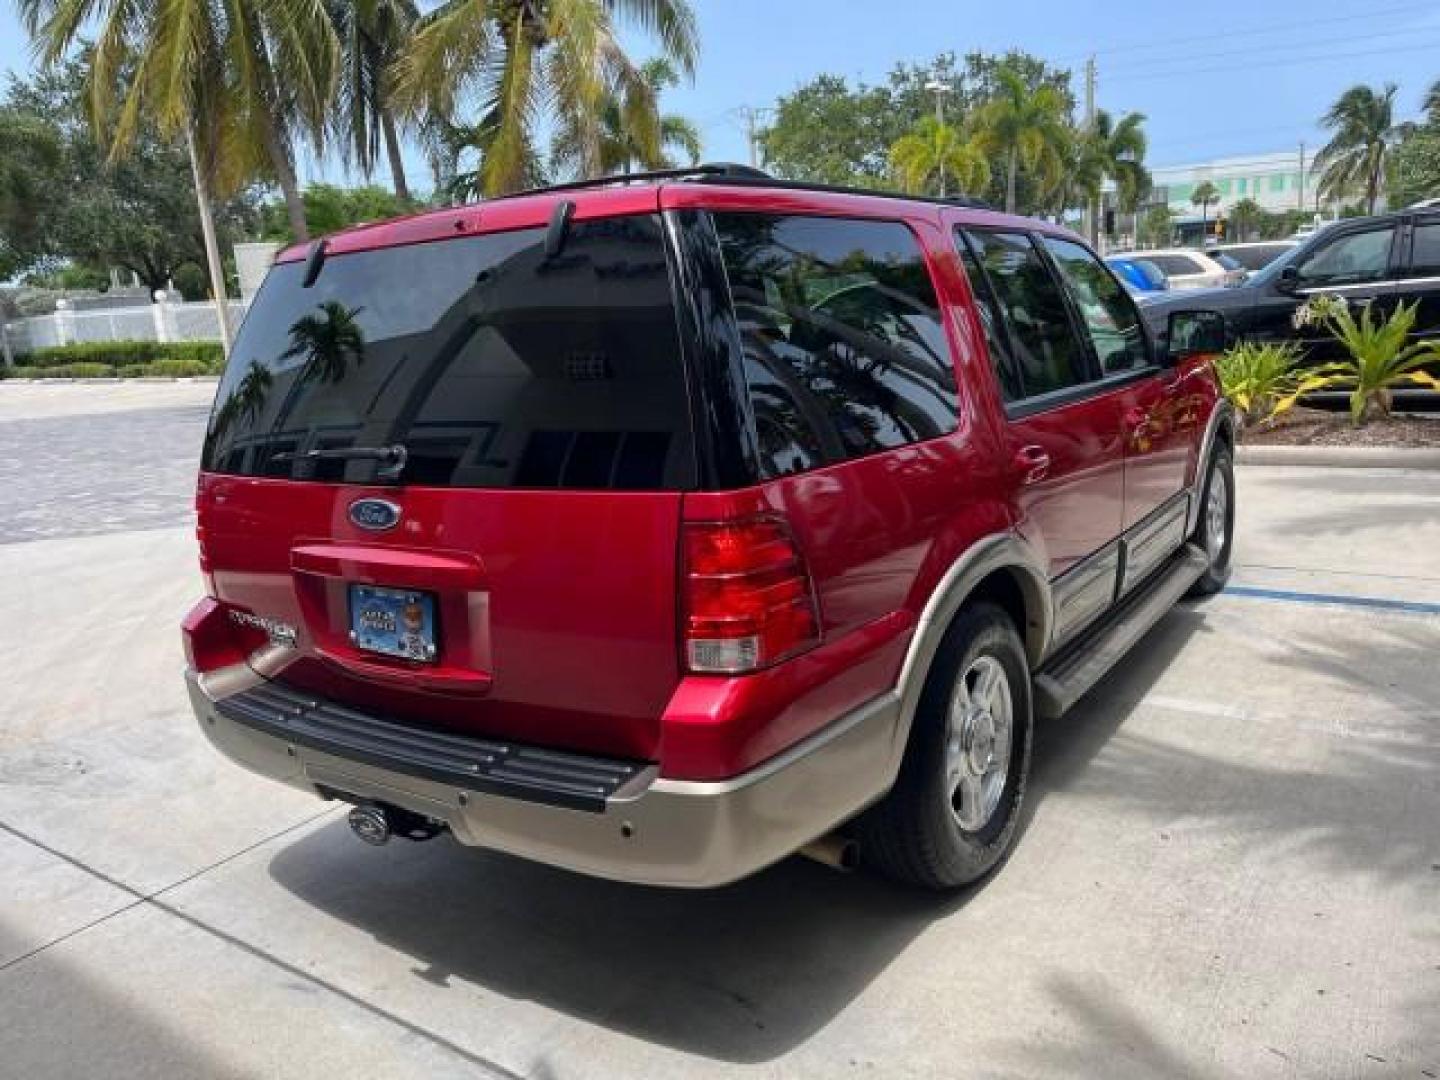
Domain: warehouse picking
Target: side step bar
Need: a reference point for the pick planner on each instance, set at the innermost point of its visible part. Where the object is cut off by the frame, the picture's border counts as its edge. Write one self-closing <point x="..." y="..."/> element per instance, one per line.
<point x="1064" y="679"/>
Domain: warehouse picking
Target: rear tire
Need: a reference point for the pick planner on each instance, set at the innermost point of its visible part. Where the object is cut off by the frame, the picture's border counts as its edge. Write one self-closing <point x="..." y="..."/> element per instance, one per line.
<point x="1215" y="529"/>
<point x="955" y="807"/>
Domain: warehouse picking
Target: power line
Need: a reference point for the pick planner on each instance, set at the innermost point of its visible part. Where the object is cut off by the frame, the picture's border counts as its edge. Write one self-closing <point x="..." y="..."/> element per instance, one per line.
<point x="1288" y="61"/>
<point x="1251" y="31"/>
<point x="1123" y="68"/>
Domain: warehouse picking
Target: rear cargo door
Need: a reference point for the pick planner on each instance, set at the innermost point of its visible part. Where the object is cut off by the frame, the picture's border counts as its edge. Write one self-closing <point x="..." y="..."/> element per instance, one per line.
<point x="455" y="469"/>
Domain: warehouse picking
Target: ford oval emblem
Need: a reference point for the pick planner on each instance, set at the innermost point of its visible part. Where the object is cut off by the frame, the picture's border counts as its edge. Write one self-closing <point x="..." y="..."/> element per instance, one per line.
<point x="374" y="514"/>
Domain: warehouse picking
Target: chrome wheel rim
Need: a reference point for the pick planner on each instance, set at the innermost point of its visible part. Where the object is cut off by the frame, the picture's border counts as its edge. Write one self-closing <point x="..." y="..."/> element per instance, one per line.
<point x="978" y="742"/>
<point x="1217" y="506"/>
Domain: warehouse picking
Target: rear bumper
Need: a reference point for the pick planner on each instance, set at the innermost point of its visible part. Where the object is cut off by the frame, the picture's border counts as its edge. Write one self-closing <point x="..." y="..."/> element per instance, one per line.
<point x="650" y="830"/>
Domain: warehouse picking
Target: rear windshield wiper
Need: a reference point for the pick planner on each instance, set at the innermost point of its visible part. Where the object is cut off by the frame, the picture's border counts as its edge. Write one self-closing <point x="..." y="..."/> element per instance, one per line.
<point x="392" y="458"/>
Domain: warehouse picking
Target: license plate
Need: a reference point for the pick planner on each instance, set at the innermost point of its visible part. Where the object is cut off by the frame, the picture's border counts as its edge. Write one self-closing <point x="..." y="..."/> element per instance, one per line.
<point x="394" y="622"/>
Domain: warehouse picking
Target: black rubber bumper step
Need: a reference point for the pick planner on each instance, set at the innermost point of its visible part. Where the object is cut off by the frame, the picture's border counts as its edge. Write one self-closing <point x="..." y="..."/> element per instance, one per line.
<point x="532" y="773"/>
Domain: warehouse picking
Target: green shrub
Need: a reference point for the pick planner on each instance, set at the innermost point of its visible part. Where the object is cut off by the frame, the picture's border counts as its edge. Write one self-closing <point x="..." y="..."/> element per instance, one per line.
<point x="1381" y="355"/>
<point x="62" y="371"/>
<point x="125" y="353"/>
<point x="1255" y="376"/>
<point x="178" y="368"/>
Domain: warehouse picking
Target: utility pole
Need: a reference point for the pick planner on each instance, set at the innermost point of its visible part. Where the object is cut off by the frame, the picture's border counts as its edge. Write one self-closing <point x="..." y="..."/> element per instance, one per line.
<point x="1092" y="225"/>
<point x="1302" y="175"/>
<point x="752" y="134"/>
<point x="212" y="247"/>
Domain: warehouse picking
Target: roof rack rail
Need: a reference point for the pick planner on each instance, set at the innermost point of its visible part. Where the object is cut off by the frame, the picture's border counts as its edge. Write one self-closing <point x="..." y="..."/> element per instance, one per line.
<point x="758" y="177"/>
<point x="719" y="170"/>
<point x="727" y="172"/>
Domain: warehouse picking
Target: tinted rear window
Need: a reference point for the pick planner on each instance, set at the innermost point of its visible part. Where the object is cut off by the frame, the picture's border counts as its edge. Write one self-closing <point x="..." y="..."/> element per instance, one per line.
<point x="845" y="353"/>
<point x="491" y="365"/>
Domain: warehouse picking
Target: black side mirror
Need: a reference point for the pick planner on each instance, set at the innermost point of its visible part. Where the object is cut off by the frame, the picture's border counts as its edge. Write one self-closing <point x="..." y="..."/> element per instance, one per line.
<point x="1194" y="333"/>
<point x="1289" y="279"/>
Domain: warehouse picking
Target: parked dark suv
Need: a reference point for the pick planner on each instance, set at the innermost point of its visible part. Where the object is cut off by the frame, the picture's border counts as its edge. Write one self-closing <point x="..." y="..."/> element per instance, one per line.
<point x="1382" y="260"/>
<point x="660" y="527"/>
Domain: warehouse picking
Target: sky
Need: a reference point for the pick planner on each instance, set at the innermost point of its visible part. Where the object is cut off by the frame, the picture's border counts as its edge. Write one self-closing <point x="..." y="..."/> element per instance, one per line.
<point x="1214" y="80"/>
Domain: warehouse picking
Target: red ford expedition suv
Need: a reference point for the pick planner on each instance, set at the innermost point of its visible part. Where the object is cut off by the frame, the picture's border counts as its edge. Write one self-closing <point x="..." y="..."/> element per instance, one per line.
<point x="661" y="527"/>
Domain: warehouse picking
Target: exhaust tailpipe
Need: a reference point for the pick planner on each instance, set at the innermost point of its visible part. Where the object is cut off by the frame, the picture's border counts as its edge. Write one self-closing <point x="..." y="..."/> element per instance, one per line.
<point x="833" y="850"/>
<point x="370" y="823"/>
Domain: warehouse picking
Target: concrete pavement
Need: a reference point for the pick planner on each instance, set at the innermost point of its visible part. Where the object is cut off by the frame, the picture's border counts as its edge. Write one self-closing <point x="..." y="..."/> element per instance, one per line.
<point x="1230" y="867"/>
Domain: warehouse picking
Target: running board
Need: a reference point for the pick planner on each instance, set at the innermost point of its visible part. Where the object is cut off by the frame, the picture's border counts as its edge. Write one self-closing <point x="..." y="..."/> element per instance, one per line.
<point x="1066" y="678"/>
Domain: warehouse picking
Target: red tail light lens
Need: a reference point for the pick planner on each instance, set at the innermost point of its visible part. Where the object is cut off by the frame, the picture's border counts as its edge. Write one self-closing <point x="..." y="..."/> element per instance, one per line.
<point x="748" y="597"/>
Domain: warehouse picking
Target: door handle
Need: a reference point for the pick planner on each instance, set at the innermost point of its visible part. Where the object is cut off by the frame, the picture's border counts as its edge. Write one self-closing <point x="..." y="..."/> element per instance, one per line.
<point x="1033" y="464"/>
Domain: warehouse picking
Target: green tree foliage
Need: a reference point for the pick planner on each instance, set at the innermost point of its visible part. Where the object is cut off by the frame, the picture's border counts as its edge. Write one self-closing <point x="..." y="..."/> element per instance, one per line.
<point x="329" y="208"/>
<point x="632" y="133"/>
<point x="1025" y="125"/>
<point x="522" y="62"/>
<point x="1156" y="226"/>
<point x="1204" y="194"/>
<point x="1413" y="170"/>
<point x="1353" y="161"/>
<point x="245" y="77"/>
<point x="65" y="200"/>
<point x="935" y="158"/>
<point x="830" y="132"/>
<point x="826" y="133"/>
<point x="372" y="35"/>
<point x="1244" y="219"/>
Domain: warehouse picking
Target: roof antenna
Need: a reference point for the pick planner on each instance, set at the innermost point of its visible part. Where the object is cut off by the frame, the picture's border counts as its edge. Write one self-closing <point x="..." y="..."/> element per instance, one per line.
<point x="314" y="263"/>
<point x="558" y="227"/>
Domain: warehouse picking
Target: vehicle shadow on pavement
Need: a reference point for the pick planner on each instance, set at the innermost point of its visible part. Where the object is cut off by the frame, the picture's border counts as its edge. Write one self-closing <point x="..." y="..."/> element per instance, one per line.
<point x="741" y="974"/>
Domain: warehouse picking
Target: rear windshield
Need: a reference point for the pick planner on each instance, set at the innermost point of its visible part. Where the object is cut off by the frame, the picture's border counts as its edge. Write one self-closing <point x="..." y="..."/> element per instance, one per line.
<point x="491" y="365"/>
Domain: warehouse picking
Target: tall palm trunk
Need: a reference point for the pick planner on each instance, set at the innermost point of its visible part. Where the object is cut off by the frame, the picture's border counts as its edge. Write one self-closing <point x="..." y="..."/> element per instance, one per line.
<point x="1093" y="205"/>
<point x="285" y="174"/>
<point x="392" y="151"/>
<point x="1011" y="167"/>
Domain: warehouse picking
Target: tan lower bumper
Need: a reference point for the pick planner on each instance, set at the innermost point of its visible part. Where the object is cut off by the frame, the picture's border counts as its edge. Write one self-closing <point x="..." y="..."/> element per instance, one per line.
<point x="671" y="832"/>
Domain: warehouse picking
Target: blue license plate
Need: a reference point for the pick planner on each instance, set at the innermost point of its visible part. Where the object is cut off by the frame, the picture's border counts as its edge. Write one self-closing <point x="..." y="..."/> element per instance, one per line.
<point x="394" y="622"/>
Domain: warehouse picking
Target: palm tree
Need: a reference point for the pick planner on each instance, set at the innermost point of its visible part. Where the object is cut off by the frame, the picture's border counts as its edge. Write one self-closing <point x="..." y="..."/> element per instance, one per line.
<point x="632" y="132"/>
<point x="1365" y="130"/>
<point x="1203" y="195"/>
<point x="1245" y="217"/>
<point x="325" y="342"/>
<point x="1432" y="104"/>
<point x="529" y="59"/>
<point x="241" y="76"/>
<point x="372" y="35"/>
<point x="1023" y="124"/>
<point x="934" y="151"/>
<point x="1117" y="153"/>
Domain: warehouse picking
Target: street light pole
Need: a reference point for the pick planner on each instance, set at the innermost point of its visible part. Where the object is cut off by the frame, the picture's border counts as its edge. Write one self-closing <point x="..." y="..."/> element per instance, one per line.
<point x="938" y="87"/>
<point x="212" y="247"/>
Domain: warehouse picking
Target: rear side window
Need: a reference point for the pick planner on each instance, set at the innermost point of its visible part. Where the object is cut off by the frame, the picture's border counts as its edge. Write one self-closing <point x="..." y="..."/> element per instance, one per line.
<point x="845" y="352"/>
<point x="491" y="364"/>
<point x="1425" y="254"/>
<point x="1011" y="388"/>
<point x="1047" y="354"/>
<point x="1177" y="265"/>
<point x="1110" y="317"/>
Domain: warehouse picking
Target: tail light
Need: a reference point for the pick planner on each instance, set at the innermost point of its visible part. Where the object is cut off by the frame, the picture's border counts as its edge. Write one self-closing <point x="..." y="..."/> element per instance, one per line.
<point x="214" y="638"/>
<point x="748" y="599"/>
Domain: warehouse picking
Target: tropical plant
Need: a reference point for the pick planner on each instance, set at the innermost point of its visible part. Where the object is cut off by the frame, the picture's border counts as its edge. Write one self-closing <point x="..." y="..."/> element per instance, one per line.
<point x="1245" y="218"/>
<point x="632" y="131"/>
<point x="1365" y="132"/>
<point x="1379" y="358"/>
<point x="1156" y="225"/>
<point x="934" y="155"/>
<point x="241" y="77"/>
<point x="372" y="35"/>
<point x="1255" y="376"/>
<point x="1204" y="194"/>
<point x="1432" y="104"/>
<point x="529" y="60"/>
<point x="1025" y="125"/>
<point x="1115" y="150"/>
